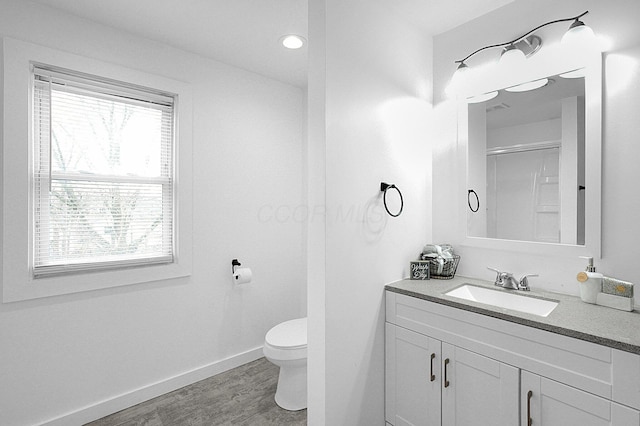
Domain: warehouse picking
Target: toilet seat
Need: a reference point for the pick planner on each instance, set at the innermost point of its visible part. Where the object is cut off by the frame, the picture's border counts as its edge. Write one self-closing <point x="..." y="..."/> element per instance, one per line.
<point x="287" y="341"/>
<point x="288" y="335"/>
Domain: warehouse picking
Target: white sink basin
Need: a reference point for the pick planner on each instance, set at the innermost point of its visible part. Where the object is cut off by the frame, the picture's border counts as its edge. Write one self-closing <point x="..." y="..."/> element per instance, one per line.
<point x="504" y="299"/>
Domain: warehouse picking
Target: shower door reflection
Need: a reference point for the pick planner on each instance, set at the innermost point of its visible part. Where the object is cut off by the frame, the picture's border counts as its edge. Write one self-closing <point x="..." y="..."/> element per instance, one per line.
<point x="523" y="195"/>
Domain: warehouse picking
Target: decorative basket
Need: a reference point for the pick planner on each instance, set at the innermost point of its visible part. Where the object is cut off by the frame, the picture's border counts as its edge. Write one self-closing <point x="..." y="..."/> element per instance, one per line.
<point x="448" y="269"/>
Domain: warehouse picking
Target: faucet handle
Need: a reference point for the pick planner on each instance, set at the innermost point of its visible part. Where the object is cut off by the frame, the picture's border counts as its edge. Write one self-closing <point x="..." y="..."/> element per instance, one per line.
<point x="499" y="276"/>
<point x="524" y="282"/>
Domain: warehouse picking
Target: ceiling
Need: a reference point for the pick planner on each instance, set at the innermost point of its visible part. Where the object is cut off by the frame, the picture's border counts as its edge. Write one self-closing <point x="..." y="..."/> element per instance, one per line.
<point x="246" y="33"/>
<point x="545" y="103"/>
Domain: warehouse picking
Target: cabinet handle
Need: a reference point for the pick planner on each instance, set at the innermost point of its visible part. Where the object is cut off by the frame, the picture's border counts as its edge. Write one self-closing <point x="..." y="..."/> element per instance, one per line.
<point x="446" y="382"/>
<point x="529" y="396"/>
<point x="433" y="377"/>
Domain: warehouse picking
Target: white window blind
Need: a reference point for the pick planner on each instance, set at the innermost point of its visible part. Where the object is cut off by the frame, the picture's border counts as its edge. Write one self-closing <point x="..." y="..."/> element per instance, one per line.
<point x="103" y="174"/>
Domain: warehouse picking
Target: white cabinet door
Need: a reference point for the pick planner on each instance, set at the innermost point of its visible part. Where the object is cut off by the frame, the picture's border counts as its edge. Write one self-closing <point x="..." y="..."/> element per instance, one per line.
<point x="477" y="390"/>
<point x="412" y="370"/>
<point x="546" y="402"/>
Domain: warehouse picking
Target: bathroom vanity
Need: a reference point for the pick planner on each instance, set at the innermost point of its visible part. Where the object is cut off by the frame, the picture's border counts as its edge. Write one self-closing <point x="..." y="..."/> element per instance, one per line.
<point x="451" y="361"/>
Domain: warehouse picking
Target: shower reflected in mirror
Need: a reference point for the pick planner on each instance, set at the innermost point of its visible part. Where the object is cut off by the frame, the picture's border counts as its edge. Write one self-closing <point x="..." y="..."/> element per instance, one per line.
<point x="526" y="160"/>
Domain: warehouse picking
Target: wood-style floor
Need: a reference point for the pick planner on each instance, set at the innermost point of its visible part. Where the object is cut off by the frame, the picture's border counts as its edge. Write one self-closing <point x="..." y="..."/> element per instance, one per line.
<point x="242" y="396"/>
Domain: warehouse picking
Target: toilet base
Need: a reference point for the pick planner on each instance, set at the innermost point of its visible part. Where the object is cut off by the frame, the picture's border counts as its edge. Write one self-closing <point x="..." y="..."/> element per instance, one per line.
<point x="292" y="388"/>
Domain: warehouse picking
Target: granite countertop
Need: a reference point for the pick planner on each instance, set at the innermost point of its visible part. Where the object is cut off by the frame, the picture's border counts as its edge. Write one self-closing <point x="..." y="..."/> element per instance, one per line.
<point x="572" y="317"/>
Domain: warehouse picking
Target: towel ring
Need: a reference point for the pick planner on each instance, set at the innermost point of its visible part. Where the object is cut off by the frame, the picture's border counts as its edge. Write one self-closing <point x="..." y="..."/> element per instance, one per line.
<point x="471" y="191"/>
<point x="383" y="188"/>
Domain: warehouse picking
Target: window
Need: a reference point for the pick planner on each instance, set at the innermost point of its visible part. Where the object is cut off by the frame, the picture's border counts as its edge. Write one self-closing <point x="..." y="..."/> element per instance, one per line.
<point x="102" y="173"/>
<point x="86" y="185"/>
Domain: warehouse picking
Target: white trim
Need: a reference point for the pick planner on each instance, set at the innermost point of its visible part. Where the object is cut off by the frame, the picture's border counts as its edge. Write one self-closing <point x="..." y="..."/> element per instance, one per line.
<point x="90" y="265"/>
<point x="523" y="147"/>
<point x="18" y="282"/>
<point x="145" y="393"/>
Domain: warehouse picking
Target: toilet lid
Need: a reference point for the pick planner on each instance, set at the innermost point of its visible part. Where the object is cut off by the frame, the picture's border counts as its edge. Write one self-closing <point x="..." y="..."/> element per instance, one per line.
<point x="288" y="335"/>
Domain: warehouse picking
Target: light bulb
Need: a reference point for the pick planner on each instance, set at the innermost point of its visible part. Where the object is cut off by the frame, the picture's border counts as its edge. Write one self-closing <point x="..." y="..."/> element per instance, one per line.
<point x="459" y="74"/>
<point x="512" y="57"/>
<point x="457" y="79"/>
<point x="578" y="34"/>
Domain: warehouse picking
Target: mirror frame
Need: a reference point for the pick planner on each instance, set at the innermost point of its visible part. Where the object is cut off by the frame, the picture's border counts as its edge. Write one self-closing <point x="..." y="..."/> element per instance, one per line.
<point x="552" y="60"/>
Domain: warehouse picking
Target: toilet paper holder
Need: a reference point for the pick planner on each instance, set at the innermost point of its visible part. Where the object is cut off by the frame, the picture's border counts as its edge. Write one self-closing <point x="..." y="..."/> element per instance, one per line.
<point x="234" y="263"/>
<point x="240" y="275"/>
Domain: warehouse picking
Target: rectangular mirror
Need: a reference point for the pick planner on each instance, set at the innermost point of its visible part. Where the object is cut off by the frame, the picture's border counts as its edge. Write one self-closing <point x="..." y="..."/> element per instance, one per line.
<point x="532" y="158"/>
<point x="526" y="166"/>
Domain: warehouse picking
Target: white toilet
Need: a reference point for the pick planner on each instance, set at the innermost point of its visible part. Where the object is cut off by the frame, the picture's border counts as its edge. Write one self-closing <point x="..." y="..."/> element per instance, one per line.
<point x="285" y="345"/>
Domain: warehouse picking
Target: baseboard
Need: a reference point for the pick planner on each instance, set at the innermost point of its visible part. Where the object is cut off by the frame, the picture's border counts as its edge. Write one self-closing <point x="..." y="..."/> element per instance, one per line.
<point x="145" y="393"/>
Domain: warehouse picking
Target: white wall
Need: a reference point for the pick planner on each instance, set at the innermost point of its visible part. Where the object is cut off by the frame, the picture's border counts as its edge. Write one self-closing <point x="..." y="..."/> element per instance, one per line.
<point x="68" y="353"/>
<point x="615" y="23"/>
<point x="375" y="79"/>
<point x="316" y="245"/>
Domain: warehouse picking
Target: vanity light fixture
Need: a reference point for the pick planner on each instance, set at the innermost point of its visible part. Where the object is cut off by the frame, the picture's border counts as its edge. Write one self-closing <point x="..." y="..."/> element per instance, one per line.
<point x="577" y="32"/>
<point x="292" y="41"/>
<point x="526" y="45"/>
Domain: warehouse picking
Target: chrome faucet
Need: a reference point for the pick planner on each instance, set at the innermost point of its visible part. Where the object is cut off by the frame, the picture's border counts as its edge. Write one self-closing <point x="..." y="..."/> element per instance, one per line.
<point x="506" y="280"/>
<point x="524" y="282"/>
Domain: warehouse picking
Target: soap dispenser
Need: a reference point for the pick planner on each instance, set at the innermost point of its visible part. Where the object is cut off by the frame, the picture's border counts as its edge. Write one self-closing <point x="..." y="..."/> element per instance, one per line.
<point x="590" y="282"/>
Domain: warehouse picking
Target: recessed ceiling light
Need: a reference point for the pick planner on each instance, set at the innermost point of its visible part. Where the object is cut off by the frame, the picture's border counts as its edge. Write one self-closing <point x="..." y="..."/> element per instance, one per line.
<point x="292" y="41"/>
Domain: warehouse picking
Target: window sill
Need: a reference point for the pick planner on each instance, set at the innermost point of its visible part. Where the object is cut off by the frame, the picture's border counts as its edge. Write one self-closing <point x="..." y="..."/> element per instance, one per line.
<point x="35" y="288"/>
